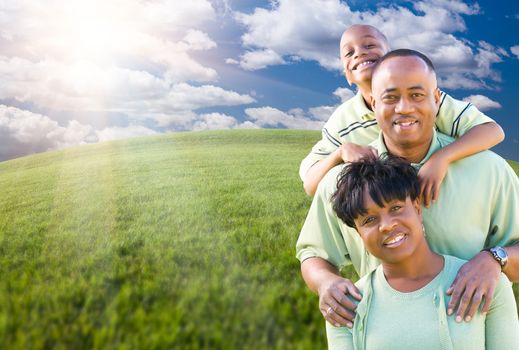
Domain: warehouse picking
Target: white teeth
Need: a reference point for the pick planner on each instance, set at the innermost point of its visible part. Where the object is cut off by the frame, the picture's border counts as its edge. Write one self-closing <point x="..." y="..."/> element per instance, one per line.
<point x="364" y="64"/>
<point x="405" y="123"/>
<point x="395" y="239"/>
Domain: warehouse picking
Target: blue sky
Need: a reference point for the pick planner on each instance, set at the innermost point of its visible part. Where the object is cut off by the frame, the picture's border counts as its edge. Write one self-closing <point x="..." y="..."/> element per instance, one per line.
<point x="77" y="72"/>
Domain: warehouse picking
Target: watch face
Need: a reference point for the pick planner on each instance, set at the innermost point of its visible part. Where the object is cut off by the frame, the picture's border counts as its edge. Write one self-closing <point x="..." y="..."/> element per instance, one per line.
<point x="501" y="253"/>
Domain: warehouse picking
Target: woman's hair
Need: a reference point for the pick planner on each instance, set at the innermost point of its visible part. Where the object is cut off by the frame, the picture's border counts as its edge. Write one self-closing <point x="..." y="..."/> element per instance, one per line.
<point x="384" y="179"/>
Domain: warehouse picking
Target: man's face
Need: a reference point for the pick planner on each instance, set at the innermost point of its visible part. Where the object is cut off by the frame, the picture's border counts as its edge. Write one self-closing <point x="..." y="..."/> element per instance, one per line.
<point x="361" y="47"/>
<point x="405" y="101"/>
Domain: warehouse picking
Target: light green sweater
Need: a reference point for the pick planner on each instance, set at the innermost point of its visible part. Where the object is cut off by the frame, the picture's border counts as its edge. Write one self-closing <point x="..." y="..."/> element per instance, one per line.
<point x="388" y="319"/>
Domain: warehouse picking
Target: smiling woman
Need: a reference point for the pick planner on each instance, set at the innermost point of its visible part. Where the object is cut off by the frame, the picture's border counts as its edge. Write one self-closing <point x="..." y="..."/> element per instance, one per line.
<point x="403" y="301"/>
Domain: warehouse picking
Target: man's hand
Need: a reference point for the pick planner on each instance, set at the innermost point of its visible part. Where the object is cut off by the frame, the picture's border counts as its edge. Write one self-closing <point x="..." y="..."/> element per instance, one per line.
<point x="351" y="152"/>
<point x="476" y="279"/>
<point x="334" y="304"/>
<point x="431" y="175"/>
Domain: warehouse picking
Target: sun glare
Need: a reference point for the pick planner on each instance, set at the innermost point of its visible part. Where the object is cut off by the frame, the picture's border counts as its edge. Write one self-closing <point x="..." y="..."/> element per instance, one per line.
<point x="94" y="31"/>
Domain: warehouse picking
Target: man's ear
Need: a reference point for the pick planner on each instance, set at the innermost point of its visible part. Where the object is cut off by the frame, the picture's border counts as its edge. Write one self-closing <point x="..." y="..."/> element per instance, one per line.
<point x="437" y="95"/>
<point x="372" y="100"/>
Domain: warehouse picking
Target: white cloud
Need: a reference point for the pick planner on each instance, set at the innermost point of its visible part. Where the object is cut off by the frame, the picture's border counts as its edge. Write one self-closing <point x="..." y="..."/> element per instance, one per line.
<point x="214" y="121"/>
<point x="247" y="125"/>
<point x="186" y="97"/>
<point x="429" y="27"/>
<point x="515" y="50"/>
<point x="322" y="112"/>
<point x="198" y="40"/>
<point x="253" y="60"/>
<point x="274" y="118"/>
<point x="312" y="34"/>
<point x="483" y="103"/>
<point x="24" y="132"/>
<point x="344" y="93"/>
<point x="116" y="133"/>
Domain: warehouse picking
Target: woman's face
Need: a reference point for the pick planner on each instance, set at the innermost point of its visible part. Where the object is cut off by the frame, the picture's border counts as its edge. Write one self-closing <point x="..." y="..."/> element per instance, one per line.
<point x="393" y="232"/>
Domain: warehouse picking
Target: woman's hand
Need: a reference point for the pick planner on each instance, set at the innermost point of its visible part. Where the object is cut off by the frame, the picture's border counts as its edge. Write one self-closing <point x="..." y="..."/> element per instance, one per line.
<point x="336" y="307"/>
<point x="476" y="279"/>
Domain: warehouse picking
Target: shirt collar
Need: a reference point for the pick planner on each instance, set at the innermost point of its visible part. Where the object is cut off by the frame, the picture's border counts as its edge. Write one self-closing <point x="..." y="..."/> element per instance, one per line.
<point x="380" y="145"/>
<point x="359" y="107"/>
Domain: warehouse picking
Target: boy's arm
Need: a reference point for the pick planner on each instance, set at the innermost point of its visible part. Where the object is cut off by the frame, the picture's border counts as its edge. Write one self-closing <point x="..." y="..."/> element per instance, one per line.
<point x="348" y="152"/>
<point x="479" y="138"/>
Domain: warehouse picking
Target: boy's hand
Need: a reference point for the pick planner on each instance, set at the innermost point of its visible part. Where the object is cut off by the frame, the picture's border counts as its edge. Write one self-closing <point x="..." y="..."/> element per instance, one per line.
<point x="351" y="152"/>
<point x="431" y="175"/>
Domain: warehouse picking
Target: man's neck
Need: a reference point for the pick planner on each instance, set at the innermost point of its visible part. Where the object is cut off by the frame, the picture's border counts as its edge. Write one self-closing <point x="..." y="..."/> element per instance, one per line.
<point x="412" y="153"/>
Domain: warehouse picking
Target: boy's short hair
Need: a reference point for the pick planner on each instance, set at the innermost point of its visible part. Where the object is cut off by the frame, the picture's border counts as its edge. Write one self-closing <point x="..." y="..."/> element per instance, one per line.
<point x="384" y="179"/>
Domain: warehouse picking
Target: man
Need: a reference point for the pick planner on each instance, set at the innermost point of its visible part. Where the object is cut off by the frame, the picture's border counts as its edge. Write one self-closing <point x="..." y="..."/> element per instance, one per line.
<point x="478" y="208"/>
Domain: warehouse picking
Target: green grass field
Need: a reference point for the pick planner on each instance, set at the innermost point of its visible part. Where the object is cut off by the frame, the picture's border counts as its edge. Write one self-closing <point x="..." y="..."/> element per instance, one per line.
<point x="181" y="241"/>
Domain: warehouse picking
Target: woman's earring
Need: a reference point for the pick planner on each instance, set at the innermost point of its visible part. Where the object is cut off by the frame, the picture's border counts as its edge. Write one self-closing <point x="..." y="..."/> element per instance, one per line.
<point x="423" y="230"/>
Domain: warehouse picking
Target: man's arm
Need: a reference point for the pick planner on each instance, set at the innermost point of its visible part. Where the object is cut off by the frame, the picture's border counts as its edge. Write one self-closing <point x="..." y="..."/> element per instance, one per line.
<point x="478" y="277"/>
<point x="324" y="279"/>
<point x="479" y="138"/>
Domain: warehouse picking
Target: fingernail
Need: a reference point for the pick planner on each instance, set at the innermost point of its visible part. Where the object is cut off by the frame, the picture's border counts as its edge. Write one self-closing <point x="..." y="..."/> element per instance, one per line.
<point x="349" y="325"/>
<point x="468" y="318"/>
<point x="337" y="325"/>
<point x="458" y="319"/>
<point x="449" y="312"/>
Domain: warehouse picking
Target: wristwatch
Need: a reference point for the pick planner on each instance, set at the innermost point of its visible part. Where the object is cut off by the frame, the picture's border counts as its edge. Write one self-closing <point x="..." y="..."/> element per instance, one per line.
<point x="499" y="254"/>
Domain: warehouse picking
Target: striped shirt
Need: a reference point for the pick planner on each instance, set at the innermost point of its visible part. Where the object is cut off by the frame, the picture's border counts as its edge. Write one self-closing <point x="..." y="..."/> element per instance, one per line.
<point x="354" y="122"/>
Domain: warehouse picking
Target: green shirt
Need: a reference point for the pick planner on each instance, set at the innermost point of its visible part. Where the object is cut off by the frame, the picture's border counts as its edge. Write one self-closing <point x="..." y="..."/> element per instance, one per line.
<point x="354" y="122"/>
<point x="388" y="319"/>
<point x="478" y="207"/>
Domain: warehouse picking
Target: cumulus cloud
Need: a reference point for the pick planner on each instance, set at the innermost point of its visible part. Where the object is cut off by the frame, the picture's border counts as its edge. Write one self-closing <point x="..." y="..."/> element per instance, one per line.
<point x="215" y="121"/>
<point x="483" y="103"/>
<point x="116" y="133"/>
<point x="344" y="94"/>
<point x="259" y="59"/>
<point x="269" y="117"/>
<point x="24" y="132"/>
<point x="143" y="60"/>
<point x="428" y="27"/>
<point x="515" y="50"/>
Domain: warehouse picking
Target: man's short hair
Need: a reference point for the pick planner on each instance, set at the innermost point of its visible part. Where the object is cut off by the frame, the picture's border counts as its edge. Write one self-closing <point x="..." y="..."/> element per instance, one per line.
<point x="385" y="179"/>
<point x="404" y="53"/>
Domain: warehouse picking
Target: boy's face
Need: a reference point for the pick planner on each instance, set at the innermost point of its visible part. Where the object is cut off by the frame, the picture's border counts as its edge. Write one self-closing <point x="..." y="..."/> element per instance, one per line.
<point x="361" y="47"/>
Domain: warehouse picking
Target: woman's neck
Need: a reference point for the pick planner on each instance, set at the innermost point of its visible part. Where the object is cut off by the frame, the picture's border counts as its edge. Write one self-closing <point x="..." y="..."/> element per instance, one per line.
<point x="415" y="272"/>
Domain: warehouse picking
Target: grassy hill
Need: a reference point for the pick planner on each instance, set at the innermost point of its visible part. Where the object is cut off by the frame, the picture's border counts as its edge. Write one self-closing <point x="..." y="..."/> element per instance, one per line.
<point x="179" y="241"/>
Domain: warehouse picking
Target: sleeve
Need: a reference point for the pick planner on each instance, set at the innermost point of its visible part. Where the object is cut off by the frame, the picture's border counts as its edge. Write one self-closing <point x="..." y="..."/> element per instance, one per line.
<point x="501" y="323"/>
<point x="339" y="338"/>
<point x="330" y="141"/>
<point x="321" y="234"/>
<point x="456" y="117"/>
<point x="505" y="206"/>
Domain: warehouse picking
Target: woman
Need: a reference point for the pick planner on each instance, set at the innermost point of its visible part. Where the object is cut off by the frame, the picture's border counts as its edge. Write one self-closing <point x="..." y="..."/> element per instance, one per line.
<point x="404" y="300"/>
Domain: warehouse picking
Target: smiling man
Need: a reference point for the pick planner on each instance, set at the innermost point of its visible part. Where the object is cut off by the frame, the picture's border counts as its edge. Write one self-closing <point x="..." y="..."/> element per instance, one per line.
<point x="478" y="209"/>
